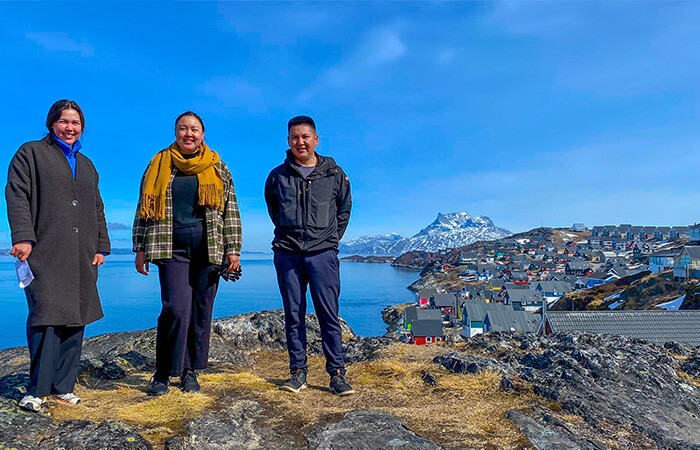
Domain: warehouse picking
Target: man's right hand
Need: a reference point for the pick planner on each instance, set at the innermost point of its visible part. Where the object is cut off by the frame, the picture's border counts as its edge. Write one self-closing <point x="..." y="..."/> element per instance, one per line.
<point x="21" y="250"/>
<point x="141" y="263"/>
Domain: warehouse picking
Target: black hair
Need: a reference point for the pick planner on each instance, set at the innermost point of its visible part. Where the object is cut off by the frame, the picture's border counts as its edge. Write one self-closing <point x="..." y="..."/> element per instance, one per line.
<point x="190" y="113"/>
<point x="57" y="109"/>
<point x="301" y="120"/>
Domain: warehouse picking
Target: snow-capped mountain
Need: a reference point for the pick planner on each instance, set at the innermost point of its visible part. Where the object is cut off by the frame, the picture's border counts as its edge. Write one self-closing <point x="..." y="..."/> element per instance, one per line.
<point x="383" y="245"/>
<point x="447" y="231"/>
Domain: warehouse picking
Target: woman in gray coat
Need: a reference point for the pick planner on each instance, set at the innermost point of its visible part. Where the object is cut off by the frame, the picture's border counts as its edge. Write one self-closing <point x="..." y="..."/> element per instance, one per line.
<point x="58" y="226"/>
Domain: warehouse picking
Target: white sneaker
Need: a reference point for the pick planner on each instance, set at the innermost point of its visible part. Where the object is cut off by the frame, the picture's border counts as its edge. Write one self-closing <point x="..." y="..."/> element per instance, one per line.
<point x="68" y="399"/>
<point x="31" y="403"/>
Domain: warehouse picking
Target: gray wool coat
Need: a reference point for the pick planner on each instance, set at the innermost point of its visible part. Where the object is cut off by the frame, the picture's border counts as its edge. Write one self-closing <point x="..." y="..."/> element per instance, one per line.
<point x="65" y="219"/>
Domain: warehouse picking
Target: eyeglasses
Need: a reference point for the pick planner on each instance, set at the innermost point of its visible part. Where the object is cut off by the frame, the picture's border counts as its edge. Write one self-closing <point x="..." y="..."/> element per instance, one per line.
<point x="222" y="270"/>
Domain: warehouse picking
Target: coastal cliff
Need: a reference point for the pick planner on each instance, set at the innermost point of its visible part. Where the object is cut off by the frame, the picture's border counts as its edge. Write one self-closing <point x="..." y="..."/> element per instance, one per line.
<point x="497" y="390"/>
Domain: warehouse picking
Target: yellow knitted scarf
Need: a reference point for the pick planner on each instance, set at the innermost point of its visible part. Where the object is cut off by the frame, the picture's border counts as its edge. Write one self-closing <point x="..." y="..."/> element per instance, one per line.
<point x="157" y="178"/>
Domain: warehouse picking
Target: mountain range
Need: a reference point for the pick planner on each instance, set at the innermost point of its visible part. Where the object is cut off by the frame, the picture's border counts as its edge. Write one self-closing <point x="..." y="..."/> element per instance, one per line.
<point x="446" y="231"/>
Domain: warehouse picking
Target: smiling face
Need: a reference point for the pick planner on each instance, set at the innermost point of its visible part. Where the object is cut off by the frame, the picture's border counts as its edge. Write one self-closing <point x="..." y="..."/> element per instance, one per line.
<point x="68" y="127"/>
<point x="189" y="134"/>
<point x="302" y="141"/>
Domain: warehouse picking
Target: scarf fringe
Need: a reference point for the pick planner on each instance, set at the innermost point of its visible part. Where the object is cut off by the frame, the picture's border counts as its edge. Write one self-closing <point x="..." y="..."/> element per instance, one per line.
<point x="151" y="206"/>
<point x="212" y="195"/>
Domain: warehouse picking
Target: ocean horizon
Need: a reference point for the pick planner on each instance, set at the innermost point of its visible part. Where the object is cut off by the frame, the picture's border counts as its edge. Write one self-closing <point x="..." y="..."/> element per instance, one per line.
<point x="132" y="301"/>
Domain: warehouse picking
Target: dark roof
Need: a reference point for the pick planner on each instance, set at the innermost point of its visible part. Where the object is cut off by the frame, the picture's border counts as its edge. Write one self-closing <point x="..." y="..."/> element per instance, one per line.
<point x="561" y="287"/>
<point x="444" y="300"/>
<point x="414" y="313"/>
<point x="510" y="286"/>
<point x="427" y="292"/>
<point x="692" y="250"/>
<point x="506" y="319"/>
<point x="427" y="328"/>
<point x="652" y="326"/>
<point x="410" y="313"/>
<point x="578" y="265"/>
<point x="476" y="310"/>
<point x="524" y="296"/>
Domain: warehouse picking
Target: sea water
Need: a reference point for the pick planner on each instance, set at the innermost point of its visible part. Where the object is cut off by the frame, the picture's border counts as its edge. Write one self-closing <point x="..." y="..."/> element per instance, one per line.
<point x="131" y="301"/>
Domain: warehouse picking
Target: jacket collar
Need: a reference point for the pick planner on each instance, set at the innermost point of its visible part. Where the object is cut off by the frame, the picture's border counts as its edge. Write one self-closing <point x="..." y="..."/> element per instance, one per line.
<point x="67" y="149"/>
<point x="324" y="166"/>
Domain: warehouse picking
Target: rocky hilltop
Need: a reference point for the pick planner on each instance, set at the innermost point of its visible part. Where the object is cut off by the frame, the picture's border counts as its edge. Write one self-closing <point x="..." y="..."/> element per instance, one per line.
<point x="446" y="231"/>
<point x="496" y="390"/>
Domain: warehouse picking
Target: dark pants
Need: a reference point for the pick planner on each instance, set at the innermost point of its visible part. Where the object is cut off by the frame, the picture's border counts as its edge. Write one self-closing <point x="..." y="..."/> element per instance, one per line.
<point x="188" y="284"/>
<point x="55" y="359"/>
<point x="320" y="271"/>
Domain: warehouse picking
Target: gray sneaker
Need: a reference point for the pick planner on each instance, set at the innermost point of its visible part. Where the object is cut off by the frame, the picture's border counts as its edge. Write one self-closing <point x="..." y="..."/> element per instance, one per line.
<point x="340" y="386"/>
<point x="296" y="382"/>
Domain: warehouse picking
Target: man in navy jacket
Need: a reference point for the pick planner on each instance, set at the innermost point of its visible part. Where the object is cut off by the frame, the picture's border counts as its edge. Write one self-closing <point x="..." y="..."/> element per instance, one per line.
<point x="308" y="199"/>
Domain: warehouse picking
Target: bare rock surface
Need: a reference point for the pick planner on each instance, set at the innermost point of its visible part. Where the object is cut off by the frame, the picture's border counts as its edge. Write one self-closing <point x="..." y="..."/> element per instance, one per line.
<point x="609" y="381"/>
<point x="367" y="429"/>
<point x="26" y="430"/>
<point x="239" y="426"/>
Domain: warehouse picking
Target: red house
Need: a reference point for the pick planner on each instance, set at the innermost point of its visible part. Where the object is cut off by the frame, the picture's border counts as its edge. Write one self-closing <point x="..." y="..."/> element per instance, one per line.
<point x="426" y="332"/>
<point x="424" y="296"/>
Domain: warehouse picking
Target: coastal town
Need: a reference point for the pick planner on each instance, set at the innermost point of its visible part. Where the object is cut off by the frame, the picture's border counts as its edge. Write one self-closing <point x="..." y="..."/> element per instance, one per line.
<point x="627" y="280"/>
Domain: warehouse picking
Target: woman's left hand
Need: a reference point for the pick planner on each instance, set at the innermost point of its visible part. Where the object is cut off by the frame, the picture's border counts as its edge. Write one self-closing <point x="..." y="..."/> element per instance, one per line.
<point x="98" y="260"/>
<point x="234" y="262"/>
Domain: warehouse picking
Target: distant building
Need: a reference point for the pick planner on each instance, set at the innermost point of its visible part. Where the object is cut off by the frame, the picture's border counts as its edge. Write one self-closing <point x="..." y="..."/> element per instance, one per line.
<point x="473" y="314"/>
<point x="653" y="326"/>
<point x="677" y="232"/>
<point x="412" y="313"/>
<point x="687" y="263"/>
<point x="694" y="233"/>
<point x="505" y="319"/>
<point x="578" y="227"/>
<point x="424" y="296"/>
<point x="662" y="260"/>
<point x="426" y="331"/>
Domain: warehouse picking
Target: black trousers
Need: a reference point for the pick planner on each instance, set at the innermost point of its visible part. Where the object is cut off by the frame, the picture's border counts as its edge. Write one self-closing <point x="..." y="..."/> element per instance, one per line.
<point x="188" y="285"/>
<point x="320" y="271"/>
<point x="55" y="359"/>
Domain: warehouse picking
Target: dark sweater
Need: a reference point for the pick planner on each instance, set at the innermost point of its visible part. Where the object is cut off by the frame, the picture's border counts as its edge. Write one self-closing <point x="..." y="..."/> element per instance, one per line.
<point x="186" y="209"/>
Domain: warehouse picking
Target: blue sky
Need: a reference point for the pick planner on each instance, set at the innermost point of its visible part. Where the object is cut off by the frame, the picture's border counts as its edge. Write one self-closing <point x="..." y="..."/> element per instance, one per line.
<point x="530" y="113"/>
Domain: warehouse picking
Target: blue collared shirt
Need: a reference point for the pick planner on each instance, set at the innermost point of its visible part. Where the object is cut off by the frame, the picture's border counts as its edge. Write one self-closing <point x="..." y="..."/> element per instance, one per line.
<point x="69" y="152"/>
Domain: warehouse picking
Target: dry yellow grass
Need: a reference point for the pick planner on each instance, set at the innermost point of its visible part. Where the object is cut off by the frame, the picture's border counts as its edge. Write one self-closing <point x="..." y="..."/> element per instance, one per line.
<point x="691" y="380"/>
<point x="461" y="408"/>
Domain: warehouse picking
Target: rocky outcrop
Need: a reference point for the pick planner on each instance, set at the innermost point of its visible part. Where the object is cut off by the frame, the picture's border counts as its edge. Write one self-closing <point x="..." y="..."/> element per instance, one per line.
<point x="366" y="429"/>
<point x="234" y="340"/>
<point x="24" y="430"/>
<point x="611" y="382"/>
<point x="393" y="316"/>
<point x="369" y="259"/>
<point x="237" y="427"/>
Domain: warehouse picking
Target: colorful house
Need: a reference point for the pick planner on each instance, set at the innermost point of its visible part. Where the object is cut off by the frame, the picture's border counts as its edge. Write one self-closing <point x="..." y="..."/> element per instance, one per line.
<point x="413" y="313"/>
<point x="426" y="331"/>
<point x="424" y="296"/>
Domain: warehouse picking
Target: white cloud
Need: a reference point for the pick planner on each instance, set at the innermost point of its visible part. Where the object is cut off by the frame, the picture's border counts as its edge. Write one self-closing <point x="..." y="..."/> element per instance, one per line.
<point x="378" y="47"/>
<point x="381" y="46"/>
<point x="60" y="42"/>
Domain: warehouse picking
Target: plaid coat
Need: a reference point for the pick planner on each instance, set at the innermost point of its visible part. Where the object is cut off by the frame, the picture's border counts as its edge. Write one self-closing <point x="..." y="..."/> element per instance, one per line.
<point x="223" y="227"/>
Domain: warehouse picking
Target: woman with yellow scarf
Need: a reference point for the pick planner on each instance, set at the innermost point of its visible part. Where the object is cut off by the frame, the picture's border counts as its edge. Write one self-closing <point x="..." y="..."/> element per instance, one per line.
<point x="187" y="223"/>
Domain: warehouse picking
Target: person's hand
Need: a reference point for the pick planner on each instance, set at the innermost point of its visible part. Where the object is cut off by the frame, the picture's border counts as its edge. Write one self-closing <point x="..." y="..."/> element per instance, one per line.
<point x="234" y="262"/>
<point x="98" y="260"/>
<point x="21" y="250"/>
<point x="141" y="263"/>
